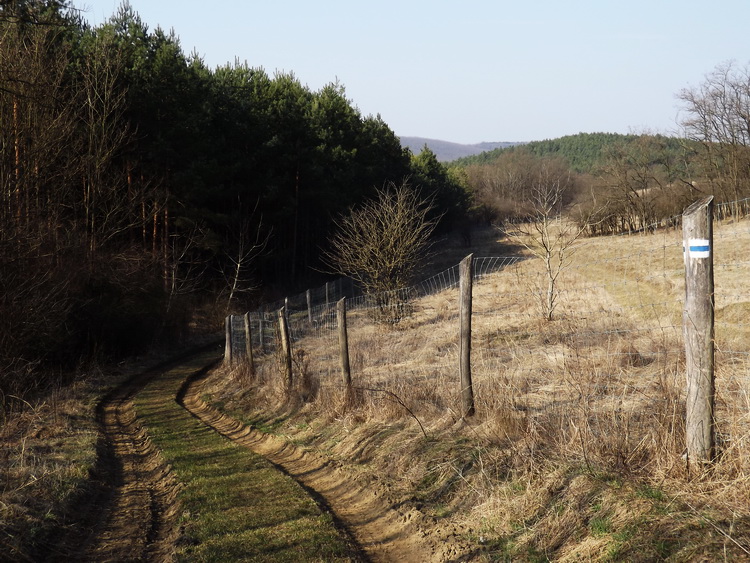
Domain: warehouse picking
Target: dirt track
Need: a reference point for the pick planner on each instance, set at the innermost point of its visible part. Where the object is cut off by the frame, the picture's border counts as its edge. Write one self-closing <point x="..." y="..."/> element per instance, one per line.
<point x="384" y="530"/>
<point x="134" y="516"/>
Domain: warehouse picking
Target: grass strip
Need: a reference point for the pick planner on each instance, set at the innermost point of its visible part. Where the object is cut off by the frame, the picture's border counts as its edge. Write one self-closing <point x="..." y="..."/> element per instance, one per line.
<point x="236" y="505"/>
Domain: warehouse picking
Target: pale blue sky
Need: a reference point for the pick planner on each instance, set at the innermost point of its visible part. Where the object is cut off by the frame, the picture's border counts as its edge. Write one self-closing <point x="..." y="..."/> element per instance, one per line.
<point x="474" y="70"/>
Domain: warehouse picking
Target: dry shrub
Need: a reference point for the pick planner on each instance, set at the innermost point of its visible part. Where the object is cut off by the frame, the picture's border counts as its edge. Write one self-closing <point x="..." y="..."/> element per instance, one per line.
<point x="306" y="382"/>
<point x="241" y="375"/>
<point x="390" y="308"/>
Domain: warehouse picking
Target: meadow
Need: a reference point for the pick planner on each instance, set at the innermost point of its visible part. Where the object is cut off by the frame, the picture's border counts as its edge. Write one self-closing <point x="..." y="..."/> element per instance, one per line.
<point x="577" y="446"/>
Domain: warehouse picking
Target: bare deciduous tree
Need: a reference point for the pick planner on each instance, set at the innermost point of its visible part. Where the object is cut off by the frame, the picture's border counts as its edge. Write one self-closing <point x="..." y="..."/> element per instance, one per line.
<point x="381" y="243"/>
<point x="548" y="236"/>
<point x="642" y="184"/>
<point x="250" y="244"/>
<point x="717" y="115"/>
<point x="107" y="198"/>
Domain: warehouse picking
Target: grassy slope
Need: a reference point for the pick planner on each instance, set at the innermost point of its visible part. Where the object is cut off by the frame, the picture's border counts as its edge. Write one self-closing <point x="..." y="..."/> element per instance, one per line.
<point x="518" y="487"/>
<point x="576" y="450"/>
<point x="46" y="453"/>
<point x="236" y="506"/>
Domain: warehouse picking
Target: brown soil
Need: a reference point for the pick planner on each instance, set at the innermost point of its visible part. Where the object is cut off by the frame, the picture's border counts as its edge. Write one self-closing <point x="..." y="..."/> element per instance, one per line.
<point x="385" y="528"/>
<point x="142" y="520"/>
<point x="131" y="512"/>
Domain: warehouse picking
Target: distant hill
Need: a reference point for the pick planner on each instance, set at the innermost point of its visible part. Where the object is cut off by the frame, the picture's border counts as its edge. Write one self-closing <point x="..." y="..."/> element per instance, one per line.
<point x="584" y="152"/>
<point x="447" y="151"/>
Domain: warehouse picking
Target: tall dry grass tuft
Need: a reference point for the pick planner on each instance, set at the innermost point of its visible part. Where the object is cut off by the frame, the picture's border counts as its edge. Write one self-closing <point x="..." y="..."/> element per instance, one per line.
<point x="48" y="449"/>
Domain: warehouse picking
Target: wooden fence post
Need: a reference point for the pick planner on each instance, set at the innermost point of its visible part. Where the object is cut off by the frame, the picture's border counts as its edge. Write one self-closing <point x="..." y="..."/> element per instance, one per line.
<point x="465" y="283"/>
<point x="249" y="344"/>
<point x="346" y="371"/>
<point x="286" y="348"/>
<point x="309" y="306"/>
<point x="328" y="297"/>
<point x="228" y="340"/>
<point x="698" y="329"/>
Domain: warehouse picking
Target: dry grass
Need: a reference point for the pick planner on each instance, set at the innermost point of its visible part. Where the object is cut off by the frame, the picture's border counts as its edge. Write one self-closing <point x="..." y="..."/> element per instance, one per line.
<point x="576" y="448"/>
<point x="47" y="451"/>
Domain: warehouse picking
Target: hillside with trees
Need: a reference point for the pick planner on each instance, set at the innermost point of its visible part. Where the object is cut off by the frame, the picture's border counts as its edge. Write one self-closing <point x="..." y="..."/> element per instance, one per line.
<point x="138" y="185"/>
<point x="144" y="196"/>
<point x="616" y="183"/>
<point x="584" y="153"/>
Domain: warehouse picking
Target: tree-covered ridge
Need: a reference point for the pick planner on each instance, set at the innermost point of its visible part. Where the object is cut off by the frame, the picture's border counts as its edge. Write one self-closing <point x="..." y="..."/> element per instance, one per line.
<point x="620" y="183"/>
<point x="584" y="152"/>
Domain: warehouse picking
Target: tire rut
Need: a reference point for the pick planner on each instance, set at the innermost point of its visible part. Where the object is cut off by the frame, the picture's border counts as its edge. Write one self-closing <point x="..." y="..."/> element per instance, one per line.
<point x="141" y="521"/>
<point x="384" y="528"/>
<point x="131" y="510"/>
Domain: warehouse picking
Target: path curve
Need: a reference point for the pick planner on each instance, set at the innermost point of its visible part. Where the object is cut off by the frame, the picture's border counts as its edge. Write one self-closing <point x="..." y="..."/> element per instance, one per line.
<point x="140" y="521"/>
<point x="133" y="510"/>
<point x="129" y="509"/>
<point x="385" y="530"/>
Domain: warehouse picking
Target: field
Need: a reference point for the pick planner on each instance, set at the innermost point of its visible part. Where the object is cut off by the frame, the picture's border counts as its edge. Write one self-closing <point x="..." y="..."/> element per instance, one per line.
<point x="577" y="448"/>
<point x="576" y="451"/>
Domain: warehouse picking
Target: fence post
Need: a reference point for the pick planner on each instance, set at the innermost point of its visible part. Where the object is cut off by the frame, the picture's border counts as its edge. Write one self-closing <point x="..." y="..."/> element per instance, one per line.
<point x="286" y="348"/>
<point x="309" y="306"/>
<point x="249" y="343"/>
<point x="228" y="340"/>
<point x="698" y="329"/>
<point x="464" y="308"/>
<point x="346" y="371"/>
<point x="328" y="297"/>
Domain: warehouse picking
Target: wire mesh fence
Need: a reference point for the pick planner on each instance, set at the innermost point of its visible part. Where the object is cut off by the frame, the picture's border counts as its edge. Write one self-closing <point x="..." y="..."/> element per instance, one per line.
<point x="313" y="311"/>
<point x="614" y="347"/>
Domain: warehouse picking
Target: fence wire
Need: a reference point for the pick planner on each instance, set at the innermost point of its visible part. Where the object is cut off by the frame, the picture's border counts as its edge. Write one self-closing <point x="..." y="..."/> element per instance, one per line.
<point x="614" y="344"/>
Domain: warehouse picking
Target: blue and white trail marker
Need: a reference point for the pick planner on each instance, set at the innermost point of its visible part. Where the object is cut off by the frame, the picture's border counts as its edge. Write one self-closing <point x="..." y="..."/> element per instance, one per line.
<point x="699" y="248"/>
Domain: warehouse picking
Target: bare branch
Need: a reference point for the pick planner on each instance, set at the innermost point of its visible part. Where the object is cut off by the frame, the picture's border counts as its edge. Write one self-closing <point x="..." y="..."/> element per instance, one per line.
<point x="381" y="243"/>
<point x="549" y="237"/>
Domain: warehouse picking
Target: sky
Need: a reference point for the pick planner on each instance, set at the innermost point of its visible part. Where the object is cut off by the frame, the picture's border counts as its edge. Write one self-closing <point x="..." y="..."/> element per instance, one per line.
<point x="474" y="70"/>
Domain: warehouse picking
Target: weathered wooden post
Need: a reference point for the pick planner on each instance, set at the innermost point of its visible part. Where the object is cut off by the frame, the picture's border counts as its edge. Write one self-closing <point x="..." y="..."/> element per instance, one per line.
<point x="249" y="344"/>
<point x="228" y="340"/>
<point x="465" y="288"/>
<point x="286" y="348"/>
<point x="328" y="297"/>
<point x="346" y="371"/>
<point x="309" y="306"/>
<point x="698" y="329"/>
